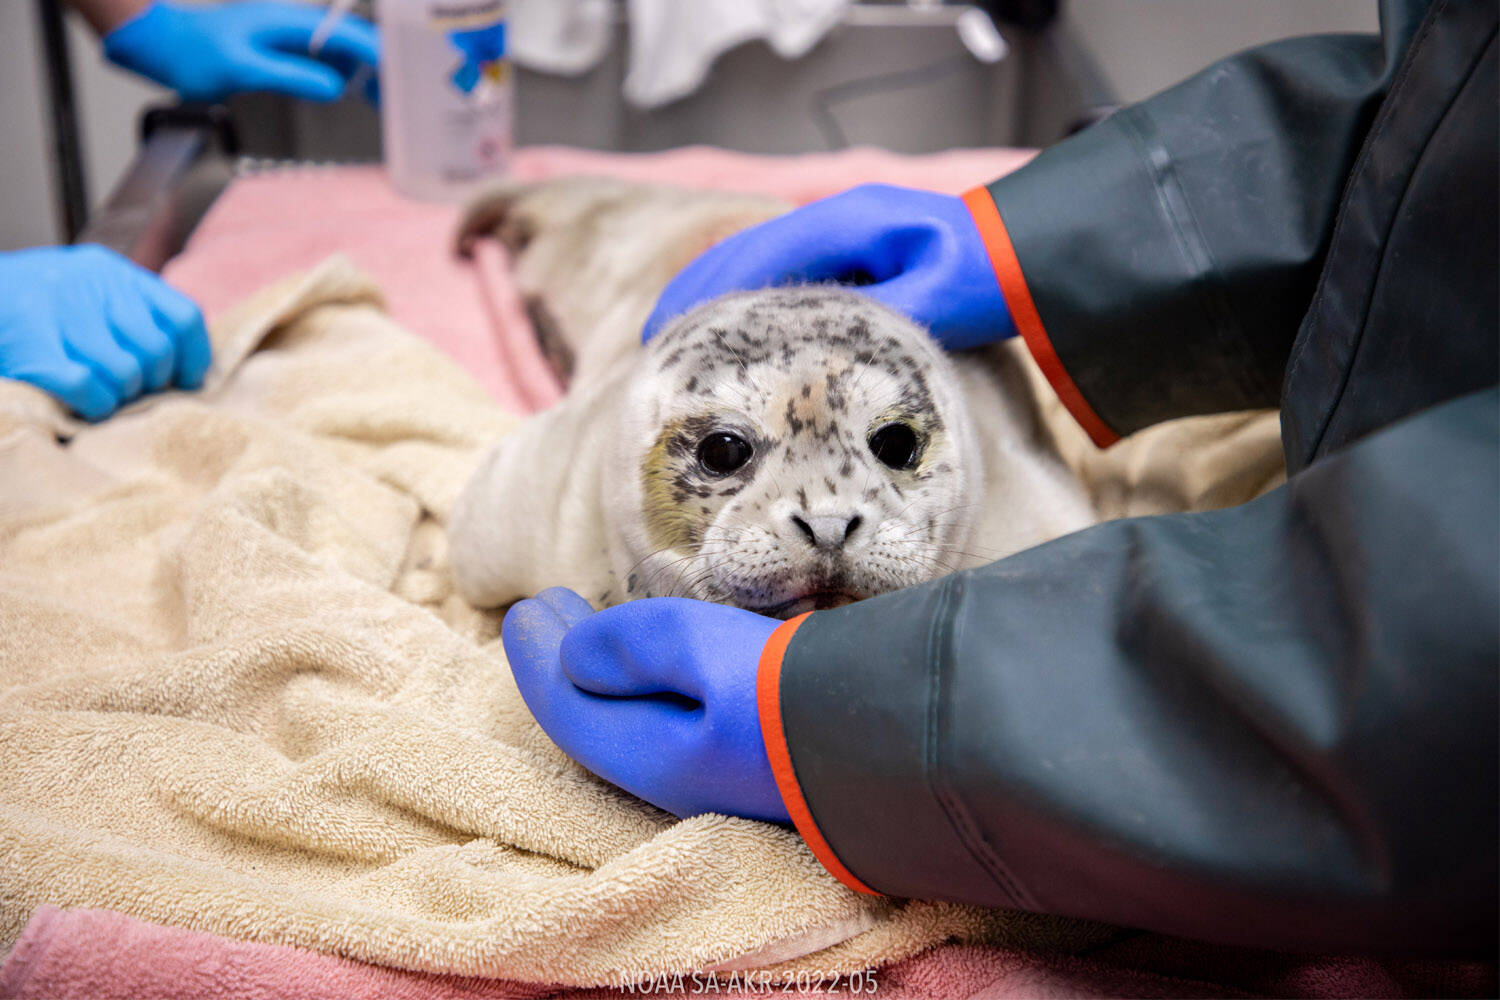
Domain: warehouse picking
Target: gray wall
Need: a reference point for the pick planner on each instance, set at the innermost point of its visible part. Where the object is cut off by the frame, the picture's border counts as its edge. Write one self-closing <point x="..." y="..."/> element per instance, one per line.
<point x="110" y="100"/>
<point x="1142" y="46"/>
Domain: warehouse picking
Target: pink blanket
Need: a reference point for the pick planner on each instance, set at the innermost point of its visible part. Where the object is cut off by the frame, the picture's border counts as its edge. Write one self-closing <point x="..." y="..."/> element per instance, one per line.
<point x="267" y="225"/>
<point x="98" y="955"/>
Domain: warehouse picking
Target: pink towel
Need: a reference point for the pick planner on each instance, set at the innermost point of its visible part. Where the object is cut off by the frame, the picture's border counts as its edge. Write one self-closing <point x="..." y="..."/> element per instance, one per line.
<point x="799" y="179"/>
<point x="266" y="225"/>
<point x="98" y="955"/>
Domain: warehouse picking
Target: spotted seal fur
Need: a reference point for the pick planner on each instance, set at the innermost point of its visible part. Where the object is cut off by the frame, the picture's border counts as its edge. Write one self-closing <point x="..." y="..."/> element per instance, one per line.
<point x="790" y="449"/>
<point x="779" y="450"/>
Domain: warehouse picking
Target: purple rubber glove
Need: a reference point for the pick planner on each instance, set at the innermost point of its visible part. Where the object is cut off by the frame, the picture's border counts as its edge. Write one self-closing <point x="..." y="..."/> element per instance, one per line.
<point x="916" y="251"/>
<point x="206" y="52"/>
<point x="656" y="696"/>
<point x="94" y="329"/>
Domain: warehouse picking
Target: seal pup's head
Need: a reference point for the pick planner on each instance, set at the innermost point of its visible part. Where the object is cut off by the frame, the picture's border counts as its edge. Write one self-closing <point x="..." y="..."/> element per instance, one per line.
<point x="787" y="450"/>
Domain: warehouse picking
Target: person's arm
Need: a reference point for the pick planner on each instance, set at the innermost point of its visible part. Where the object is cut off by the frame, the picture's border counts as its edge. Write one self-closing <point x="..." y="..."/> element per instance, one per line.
<point x="1273" y="725"/>
<point x="1159" y="263"/>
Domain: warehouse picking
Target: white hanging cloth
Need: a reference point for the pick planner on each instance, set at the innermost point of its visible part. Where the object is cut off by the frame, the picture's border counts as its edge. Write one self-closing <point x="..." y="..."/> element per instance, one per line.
<point x="673" y="43"/>
<point x="566" y="37"/>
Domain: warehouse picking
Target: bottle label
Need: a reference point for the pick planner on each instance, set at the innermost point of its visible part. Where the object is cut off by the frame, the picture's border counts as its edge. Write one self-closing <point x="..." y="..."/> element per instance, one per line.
<point x="456" y="91"/>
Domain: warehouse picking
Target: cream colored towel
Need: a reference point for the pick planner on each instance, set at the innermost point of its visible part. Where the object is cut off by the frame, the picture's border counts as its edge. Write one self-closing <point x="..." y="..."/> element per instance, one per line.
<point x="237" y="694"/>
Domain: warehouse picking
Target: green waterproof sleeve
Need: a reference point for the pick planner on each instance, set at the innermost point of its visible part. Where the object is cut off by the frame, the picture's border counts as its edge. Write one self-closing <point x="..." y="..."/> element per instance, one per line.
<point x="1172" y="250"/>
<point x="1273" y="725"/>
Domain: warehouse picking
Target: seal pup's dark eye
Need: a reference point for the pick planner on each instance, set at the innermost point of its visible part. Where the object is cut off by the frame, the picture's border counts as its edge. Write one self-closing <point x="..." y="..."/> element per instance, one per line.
<point x="896" y="445"/>
<point x="722" y="453"/>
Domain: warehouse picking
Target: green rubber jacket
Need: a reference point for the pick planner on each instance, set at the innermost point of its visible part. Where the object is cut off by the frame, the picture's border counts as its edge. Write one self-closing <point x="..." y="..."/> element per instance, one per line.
<point x="1273" y="725"/>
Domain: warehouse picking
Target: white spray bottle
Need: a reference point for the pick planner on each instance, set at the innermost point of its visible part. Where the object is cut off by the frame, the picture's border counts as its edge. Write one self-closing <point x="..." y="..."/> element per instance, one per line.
<point x="446" y="102"/>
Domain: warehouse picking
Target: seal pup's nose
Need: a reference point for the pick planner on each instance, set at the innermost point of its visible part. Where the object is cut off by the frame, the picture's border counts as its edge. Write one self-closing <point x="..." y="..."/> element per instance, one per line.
<point x="827" y="531"/>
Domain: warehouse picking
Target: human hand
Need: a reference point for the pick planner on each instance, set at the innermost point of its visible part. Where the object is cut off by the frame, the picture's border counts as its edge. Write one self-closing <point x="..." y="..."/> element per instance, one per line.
<point x="656" y="696"/>
<point x="916" y="251"/>
<point x="94" y="329"/>
<point x="207" y="52"/>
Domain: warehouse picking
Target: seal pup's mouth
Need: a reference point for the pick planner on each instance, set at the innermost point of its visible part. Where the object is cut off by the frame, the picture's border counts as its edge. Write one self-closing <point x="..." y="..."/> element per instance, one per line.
<point x="816" y="600"/>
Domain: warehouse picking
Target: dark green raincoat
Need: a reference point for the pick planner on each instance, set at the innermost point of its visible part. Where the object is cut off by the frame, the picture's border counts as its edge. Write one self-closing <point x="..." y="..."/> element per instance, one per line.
<point x="1272" y="725"/>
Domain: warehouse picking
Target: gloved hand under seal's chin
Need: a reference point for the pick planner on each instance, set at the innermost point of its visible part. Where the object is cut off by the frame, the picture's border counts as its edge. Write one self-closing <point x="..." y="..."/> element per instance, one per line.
<point x="657" y="696"/>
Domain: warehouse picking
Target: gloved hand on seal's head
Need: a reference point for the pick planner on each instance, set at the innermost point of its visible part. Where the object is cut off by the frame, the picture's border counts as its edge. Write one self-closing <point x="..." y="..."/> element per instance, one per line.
<point x="916" y="251"/>
<point x="657" y="696"/>
<point x="94" y="329"/>
<point x="206" y="52"/>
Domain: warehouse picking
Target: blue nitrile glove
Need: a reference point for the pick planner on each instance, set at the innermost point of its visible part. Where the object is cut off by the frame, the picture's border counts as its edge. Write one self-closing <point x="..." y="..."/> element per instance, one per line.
<point x="656" y="696"/>
<point x="94" y="329"/>
<point x="207" y="52"/>
<point x="916" y="251"/>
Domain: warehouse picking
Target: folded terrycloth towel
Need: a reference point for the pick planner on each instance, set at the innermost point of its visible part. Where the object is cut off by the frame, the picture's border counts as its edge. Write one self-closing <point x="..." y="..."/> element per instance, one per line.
<point x="95" y="955"/>
<point x="237" y="695"/>
<point x="98" y="955"/>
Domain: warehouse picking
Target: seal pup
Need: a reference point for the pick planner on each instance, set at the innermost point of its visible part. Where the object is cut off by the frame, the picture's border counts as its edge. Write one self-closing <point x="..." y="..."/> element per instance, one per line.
<point x="780" y="450"/>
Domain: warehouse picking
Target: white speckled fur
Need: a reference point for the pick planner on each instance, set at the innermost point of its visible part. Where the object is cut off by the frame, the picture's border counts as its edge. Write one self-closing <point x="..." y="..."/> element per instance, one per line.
<point x="806" y="373"/>
<point x="781" y="368"/>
